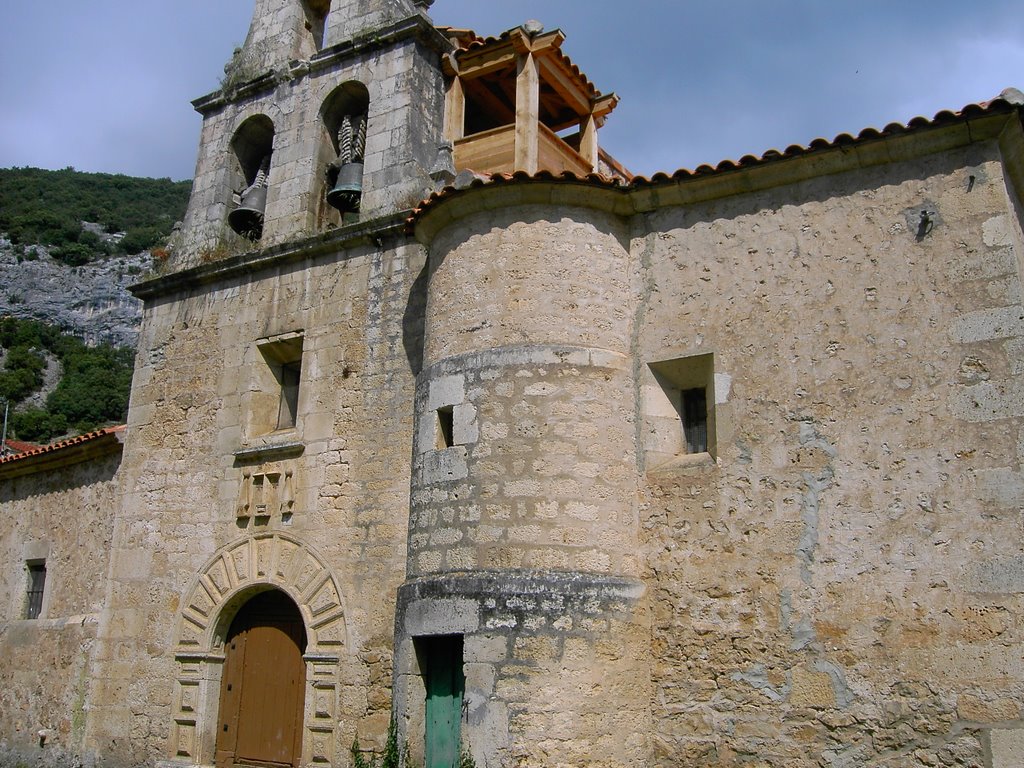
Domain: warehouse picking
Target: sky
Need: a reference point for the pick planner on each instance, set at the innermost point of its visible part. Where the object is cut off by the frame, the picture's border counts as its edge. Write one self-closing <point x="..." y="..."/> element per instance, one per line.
<point x="106" y="85"/>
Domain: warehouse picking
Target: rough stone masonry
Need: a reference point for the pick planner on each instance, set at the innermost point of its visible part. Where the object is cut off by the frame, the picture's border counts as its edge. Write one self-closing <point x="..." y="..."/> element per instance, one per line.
<point x="721" y="468"/>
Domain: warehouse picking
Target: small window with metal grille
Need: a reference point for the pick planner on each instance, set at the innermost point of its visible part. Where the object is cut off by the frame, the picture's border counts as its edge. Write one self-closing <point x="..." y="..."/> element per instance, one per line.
<point x="694" y="412"/>
<point x="34" y="594"/>
<point x="679" y="411"/>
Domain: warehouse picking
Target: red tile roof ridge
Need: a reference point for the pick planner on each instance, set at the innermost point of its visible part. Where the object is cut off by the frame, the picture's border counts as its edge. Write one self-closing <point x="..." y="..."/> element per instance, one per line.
<point x="1010" y="99"/>
<point x="482" y="42"/>
<point x="20" y="446"/>
<point x="494" y="179"/>
<point x="1005" y="101"/>
<point x="66" y="443"/>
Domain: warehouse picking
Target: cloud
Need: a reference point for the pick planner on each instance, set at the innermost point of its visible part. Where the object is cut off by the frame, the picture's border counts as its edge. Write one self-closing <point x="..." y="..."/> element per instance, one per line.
<point x="106" y="85"/>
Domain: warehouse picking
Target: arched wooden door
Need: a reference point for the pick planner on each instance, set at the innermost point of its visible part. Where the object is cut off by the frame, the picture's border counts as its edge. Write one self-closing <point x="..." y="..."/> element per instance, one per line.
<point x="263" y="686"/>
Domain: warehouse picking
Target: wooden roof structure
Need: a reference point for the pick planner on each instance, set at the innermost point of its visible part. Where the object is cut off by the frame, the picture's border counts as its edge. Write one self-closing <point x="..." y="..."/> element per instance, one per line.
<point x="521" y="80"/>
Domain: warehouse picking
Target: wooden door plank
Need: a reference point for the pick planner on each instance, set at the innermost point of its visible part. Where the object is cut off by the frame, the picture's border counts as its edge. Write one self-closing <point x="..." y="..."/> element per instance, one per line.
<point x="263" y="689"/>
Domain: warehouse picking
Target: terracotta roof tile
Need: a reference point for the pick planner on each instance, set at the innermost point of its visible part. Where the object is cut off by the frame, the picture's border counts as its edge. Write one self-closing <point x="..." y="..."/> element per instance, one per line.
<point x="918" y="123"/>
<point x="71" y="442"/>
<point x="19" y="446"/>
<point x="1008" y="101"/>
<point x="517" y="177"/>
<point x="481" y="42"/>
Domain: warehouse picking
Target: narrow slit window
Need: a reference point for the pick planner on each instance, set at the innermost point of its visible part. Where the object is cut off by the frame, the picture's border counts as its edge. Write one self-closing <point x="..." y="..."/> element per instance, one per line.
<point x="290" y="375"/>
<point x="445" y="427"/>
<point x="36" y="585"/>
<point x="694" y="407"/>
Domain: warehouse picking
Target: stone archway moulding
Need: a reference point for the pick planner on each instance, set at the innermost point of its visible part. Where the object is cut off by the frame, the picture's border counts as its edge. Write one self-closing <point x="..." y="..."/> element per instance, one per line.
<point x="235" y="573"/>
<point x="272" y="560"/>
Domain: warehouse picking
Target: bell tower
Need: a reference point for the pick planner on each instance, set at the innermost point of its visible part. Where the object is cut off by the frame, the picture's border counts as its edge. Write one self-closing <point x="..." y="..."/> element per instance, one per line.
<point x="286" y="30"/>
<point x="330" y="114"/>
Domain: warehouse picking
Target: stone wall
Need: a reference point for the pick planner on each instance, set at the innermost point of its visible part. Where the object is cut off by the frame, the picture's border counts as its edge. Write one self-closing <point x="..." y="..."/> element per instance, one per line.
<point x="527" y="331"/>
<point x="486" y="451"/>
<point x="65" y="518"/>
<point x="840" y="588"/>
<point x="192" y="457"/>
<point x="835" y="580"/>
<point x="523" y="528"/>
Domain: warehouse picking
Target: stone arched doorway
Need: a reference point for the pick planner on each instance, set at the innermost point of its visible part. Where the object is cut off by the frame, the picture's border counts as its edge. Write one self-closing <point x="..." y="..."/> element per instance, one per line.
<point x="237" y="574"/>
<point x="262" y="685"/>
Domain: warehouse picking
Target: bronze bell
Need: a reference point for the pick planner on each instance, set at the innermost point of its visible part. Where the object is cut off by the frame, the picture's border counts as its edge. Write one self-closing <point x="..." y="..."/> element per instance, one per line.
<point x="348" y="189"/>
<point x="247" y="218"/>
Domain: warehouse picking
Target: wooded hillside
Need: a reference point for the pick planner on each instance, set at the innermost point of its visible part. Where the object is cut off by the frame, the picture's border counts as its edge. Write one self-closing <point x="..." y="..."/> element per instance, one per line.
<point x="55" y="382"/>
<point x="39" y="207"/>
<point x="92" y="383"/>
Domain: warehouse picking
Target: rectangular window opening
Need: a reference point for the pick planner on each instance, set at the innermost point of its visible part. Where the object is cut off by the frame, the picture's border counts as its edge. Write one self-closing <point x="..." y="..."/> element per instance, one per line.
<point x="679" y="412"/>
<point x="34" y="594"/>
<point x="694" y="412"/>
<point x="278" y="382"/>
<point x="445" y="427"/>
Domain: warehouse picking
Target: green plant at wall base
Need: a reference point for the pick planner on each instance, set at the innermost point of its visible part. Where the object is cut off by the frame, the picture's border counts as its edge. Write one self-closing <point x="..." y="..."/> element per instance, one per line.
<point x="393" y="754"/>
<point x="396" y="753"/>
<point x="392" y="757"/>
<point x="358" y="760"/>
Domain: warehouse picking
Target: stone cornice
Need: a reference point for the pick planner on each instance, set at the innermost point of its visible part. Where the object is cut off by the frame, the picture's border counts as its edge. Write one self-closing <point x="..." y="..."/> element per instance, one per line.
<point x="343" y="238"/>
<point x="413" y="27"/>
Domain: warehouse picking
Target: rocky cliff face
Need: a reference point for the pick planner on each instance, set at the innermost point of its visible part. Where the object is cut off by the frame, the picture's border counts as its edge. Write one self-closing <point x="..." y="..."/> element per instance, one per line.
<point x="91" y="301"/>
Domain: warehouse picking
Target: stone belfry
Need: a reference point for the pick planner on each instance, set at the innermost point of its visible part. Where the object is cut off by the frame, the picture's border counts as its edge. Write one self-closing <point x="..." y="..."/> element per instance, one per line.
<point x="328" y="114"/>
<point x="290" y="311"/>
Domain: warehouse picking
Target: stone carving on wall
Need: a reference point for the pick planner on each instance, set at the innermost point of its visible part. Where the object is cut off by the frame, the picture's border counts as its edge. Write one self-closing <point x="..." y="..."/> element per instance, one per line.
<point x="263" y="495"/>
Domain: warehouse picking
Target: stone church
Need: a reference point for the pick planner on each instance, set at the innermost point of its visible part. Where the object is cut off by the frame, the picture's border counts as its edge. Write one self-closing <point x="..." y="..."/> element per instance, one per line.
<point x="441" y="416"/>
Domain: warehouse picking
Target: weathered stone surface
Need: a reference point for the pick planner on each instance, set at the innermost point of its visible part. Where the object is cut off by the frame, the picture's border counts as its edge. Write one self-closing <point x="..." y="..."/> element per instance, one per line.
<point x="1007" y="748"/>
<point x="64" y="517"/>
<point x="833" y="580"/>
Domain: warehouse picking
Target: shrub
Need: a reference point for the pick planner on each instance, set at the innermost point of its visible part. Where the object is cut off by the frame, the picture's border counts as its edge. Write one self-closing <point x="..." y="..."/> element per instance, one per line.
<point x="93" y="389"/>
<point x="74" y="254"/>
<point x="38" y="426"/>
<point x="47" y="207"/>
<point x="22" y="374"/>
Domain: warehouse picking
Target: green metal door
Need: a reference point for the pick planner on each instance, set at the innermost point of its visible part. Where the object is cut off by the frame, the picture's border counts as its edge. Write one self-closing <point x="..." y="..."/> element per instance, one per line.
<point x="445" y="685"/>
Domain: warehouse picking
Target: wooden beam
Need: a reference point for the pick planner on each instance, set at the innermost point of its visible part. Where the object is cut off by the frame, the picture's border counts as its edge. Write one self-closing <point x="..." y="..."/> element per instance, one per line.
<point x="455" y="111"/>
<point x="527" y="113"/>
<point x="541" y="44"/>
<point x="483" y="60"/>
<point x="604" y="104"/>
<point x="576" y="96"/>
<point x="588" y="142"/>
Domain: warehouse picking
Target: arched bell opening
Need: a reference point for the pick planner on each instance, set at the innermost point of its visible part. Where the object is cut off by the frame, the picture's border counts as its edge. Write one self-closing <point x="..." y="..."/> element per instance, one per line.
<point x="344" y="118"/>
<point x="315" y="12"/>
<point x="262" y="686"/>
<point x="252" y="147"/>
